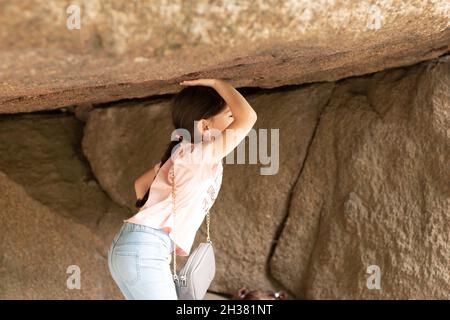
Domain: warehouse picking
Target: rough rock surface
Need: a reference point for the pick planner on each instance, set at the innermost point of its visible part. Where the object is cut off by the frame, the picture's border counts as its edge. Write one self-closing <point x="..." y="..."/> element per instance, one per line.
<point x="374" y="190"/>
<point x="42" y="152"/>
<point x="131" y="49"/>
<point x="38" y="246"/>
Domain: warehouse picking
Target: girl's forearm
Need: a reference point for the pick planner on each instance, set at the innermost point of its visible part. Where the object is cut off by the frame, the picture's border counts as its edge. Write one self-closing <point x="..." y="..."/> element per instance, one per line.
<point x="140" y="189"/>
<point x="239" y="106"/>
<point x="143" y="183"/>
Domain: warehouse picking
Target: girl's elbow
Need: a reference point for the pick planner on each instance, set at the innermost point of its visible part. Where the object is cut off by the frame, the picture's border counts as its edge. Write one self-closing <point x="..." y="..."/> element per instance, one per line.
<point x="253" y="116"/>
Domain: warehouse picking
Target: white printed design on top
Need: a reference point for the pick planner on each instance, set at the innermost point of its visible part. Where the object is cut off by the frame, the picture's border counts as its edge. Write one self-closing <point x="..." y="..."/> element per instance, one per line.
<point x="211" y="193"/>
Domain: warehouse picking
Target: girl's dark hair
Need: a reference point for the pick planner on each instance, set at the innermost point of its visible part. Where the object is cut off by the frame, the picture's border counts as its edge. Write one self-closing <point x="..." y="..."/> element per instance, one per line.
<point x="192" y="103"/>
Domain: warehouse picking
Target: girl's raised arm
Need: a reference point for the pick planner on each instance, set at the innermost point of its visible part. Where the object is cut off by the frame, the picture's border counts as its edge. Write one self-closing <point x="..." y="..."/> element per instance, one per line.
<point x="243" y="114"/>
<point x="244" y="119"/>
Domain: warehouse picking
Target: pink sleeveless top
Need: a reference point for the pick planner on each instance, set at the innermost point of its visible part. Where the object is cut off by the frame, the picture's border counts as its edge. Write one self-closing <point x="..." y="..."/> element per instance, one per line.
<point x="197" y="183"/>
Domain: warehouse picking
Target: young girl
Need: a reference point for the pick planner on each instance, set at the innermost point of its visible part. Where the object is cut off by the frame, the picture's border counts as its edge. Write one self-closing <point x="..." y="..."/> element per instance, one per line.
<point x="210" y="118"/>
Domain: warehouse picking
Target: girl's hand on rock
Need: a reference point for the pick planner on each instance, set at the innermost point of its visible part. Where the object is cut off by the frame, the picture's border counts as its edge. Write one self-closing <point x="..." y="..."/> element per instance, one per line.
<point x="199" y="82"/>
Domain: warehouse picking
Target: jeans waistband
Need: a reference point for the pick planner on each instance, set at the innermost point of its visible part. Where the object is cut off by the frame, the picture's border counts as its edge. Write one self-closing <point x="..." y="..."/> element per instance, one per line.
<point x="134" y="227"/>
<point x="129" y="226"/>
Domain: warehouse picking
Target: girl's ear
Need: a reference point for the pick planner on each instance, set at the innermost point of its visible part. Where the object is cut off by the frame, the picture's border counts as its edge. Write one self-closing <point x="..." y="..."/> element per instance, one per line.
<point x="203" y="128"/>
<point x="203" y="125"/>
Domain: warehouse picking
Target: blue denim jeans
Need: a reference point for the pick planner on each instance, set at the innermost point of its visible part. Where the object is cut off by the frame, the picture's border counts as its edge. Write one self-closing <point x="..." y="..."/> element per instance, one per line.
<point x="139" y="261"/>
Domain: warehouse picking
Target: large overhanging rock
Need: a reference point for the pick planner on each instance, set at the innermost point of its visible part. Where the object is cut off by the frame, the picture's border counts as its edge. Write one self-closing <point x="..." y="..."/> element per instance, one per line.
<point x="129" y="49"/>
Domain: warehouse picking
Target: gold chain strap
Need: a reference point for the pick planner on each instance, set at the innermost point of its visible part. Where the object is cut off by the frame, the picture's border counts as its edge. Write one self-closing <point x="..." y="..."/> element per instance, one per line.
<point x="175" y="246"/>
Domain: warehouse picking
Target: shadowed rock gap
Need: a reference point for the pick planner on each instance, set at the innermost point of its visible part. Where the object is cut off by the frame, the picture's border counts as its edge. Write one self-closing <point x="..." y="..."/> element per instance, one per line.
<point x="286" y="216"/>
